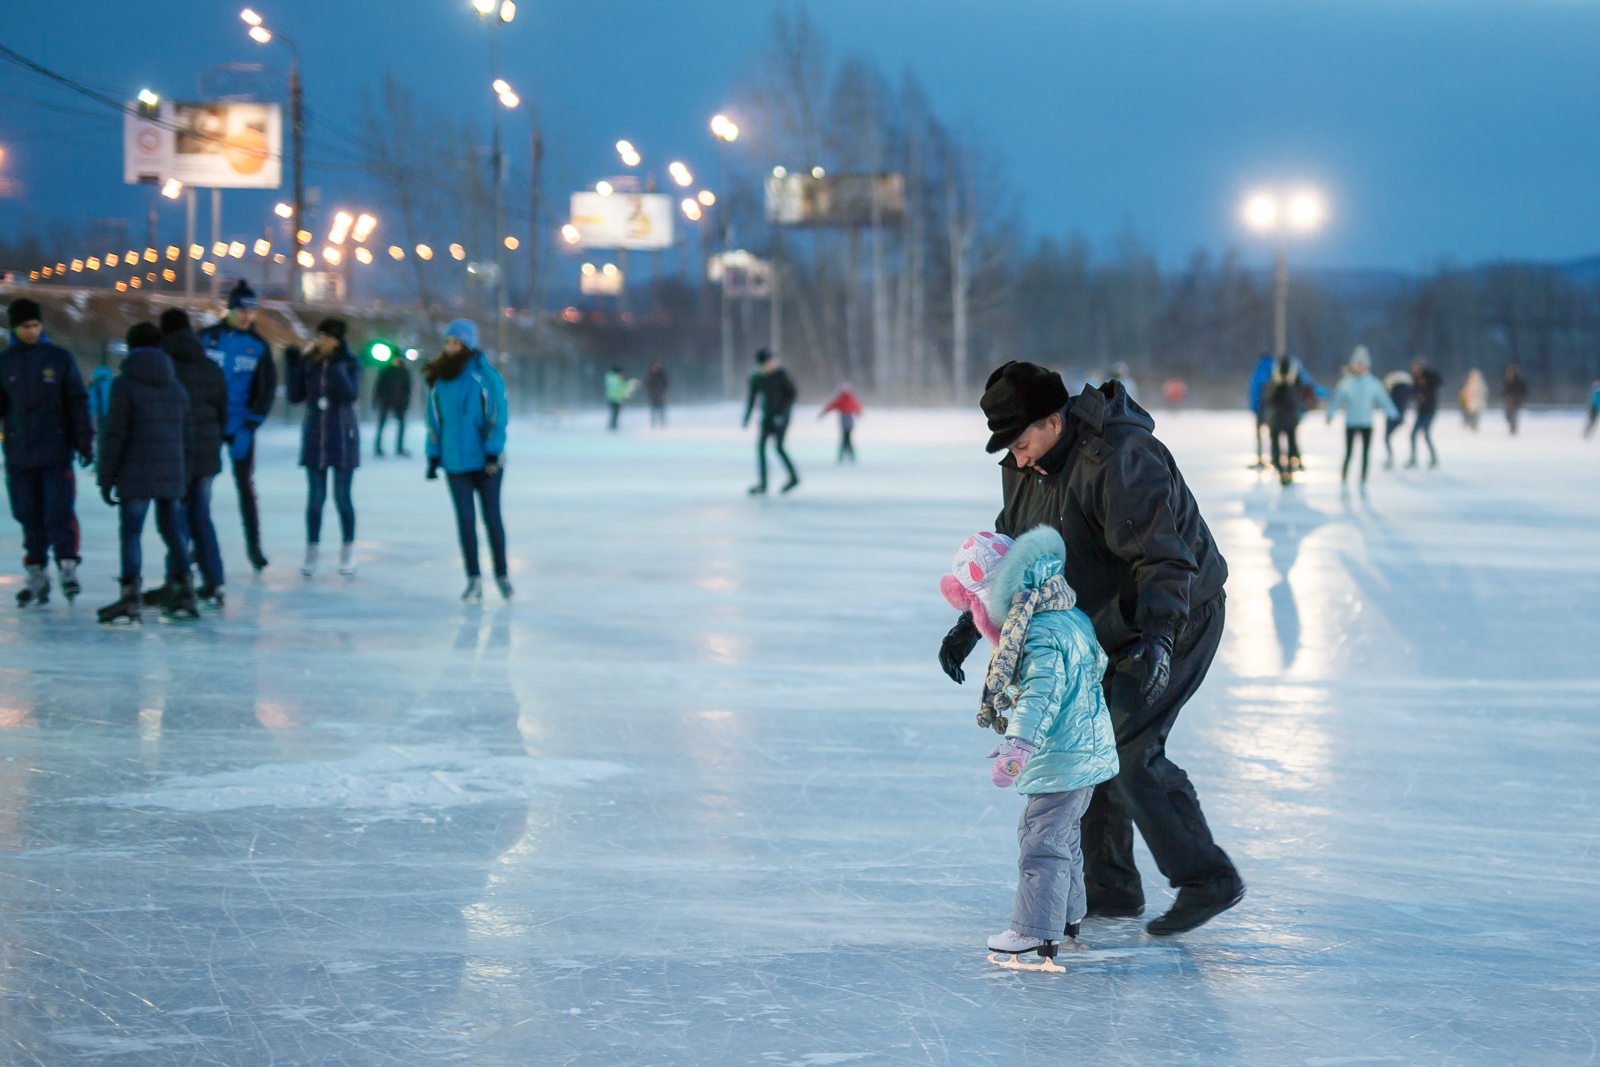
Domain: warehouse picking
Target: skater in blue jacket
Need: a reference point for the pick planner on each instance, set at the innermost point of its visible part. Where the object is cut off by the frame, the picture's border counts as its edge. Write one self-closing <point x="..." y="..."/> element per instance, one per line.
<point x="246" y="361"/>
<point x="1360" y="394"/>
<point x="1043" y="694"/>
<point x="466" y="420"/>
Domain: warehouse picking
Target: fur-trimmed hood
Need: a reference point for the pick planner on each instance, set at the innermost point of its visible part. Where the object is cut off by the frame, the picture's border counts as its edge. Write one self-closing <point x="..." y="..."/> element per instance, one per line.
<point x="1039" y="555"/>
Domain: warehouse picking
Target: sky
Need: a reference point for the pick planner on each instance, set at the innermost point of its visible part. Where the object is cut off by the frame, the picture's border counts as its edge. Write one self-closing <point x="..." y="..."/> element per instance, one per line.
<point x="1459" y="129"/>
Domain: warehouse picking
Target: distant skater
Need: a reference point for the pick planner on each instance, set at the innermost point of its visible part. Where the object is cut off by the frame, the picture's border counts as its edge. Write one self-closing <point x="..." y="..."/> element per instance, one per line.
<point x="1473" y="398"/>
<point x="772" y="386"/>
<point x="141" y="463"/>
<point x="1043" y="696"/>
<point x="392" y="391"/>
<point x="619" y="390"/>
<point x="1359" y="394"/>
<point x="327" y="380"/>
<point x="849" y="409"/>
<point x="656" y="384"/>
<point x="1427" y="382"/>
<point x="1398" y="382"/>
<point x="1258" y="392"/>
<point x="44" y="413"/>
<point x="1594" y="409"/>
<point x="1514" y="394"/>
<point x="1282" y="399"/>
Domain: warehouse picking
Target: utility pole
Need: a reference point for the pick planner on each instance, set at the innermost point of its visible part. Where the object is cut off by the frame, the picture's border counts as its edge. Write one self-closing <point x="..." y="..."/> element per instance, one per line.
<point x="216" y="237"/>
<point x="535" y="229"/>
<point x="499" y="210"/>
<point x="1280" y="304"/>
<point x="297" y="122"/>
<point x="188" y="243"/>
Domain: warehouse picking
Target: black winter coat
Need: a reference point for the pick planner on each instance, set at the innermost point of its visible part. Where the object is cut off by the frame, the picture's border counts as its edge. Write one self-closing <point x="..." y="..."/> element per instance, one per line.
<point x="203" y="380"/>
<point x="1138" y="553"/>
<point x="330" y="435"/>
<point x="392" y="390"/>
<point x="141" y="450"/>
<point x="776" y="392"/>
<point x="44" y="406"/>
<point x="1428" y="384"/>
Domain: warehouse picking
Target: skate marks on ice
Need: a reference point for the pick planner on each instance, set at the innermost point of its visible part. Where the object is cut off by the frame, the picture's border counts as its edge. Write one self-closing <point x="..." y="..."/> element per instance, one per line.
<point x="391" y="781"/>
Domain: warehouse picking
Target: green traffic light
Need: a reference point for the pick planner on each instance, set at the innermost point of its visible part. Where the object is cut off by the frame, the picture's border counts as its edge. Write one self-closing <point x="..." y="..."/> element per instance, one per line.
<point x="381" y="352"/>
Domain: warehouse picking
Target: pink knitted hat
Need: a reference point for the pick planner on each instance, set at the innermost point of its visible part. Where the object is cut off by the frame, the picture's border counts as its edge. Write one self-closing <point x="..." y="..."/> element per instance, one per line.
<point x="971" y="575"/>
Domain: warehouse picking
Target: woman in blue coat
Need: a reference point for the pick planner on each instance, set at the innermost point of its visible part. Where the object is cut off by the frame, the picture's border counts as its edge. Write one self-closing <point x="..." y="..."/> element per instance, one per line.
<point x="327" y="379"/>
<point x="466" y="418"/>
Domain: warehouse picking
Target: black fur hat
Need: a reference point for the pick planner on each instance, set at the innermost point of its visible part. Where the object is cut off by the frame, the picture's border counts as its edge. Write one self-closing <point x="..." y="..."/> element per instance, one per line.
<point x="143" y="335"/>
<point x="23" y="310"/>
<point x="1018" y="395"/>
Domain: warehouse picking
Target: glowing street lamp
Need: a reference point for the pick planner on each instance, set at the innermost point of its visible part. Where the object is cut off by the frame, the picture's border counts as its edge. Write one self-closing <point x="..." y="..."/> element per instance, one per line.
<point x="172" y="189"/>
<point x="148" y="98"/>
<point x="724" y="128"/>
<point x="707" y="197"/>
<point x="283" y="211"/>
<point x="570" y="234"/>
<point x="691" y="209"/>
<point x="1278" y="215"/>
<point x="680" y="174"/>
<point x="261" y="35"/>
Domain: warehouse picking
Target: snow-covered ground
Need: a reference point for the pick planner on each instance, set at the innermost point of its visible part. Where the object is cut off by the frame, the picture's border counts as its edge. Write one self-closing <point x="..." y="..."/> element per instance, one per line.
<point x="701" y="795"/>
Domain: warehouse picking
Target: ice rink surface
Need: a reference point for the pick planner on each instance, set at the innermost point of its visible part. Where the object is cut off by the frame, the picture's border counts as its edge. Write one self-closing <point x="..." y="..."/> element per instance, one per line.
<point x="700" y="795"/>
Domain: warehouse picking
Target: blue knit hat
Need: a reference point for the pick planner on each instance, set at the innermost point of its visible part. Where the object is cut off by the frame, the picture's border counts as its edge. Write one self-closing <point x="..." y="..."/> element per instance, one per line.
<point x="463" y="330"/>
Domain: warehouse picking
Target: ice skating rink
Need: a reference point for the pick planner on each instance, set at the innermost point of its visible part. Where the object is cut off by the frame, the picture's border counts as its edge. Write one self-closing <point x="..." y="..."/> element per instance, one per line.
<point x="701" y="795"/>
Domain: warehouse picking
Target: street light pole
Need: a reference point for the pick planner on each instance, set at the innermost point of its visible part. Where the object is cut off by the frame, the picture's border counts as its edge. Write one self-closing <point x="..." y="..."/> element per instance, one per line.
<point x="499" y="210"/>
<point x="726" y="132"/>
<point x="1280" y="304"/>
<point x="298" y="132"/>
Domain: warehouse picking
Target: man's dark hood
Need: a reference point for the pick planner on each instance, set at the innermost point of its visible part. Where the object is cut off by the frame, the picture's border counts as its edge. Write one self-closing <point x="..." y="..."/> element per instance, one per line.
<point x="1109" y="405"/>
<point x="149" y="366"/>
<point x="184" y="346"/>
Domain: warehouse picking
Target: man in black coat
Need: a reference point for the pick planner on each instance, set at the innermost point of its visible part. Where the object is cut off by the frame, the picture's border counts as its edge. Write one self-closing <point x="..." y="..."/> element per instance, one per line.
<point x="207" y="421"/>
<point x="141" y="460"/>
<point x="392" y="391"/>
<point x="45" y="412"/>
<point x="1149" y="576"/>
<point x="775" y="390"/>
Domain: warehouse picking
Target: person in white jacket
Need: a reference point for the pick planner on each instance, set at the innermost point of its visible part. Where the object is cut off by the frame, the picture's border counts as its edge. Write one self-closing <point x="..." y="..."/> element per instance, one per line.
<point x="1359" y="394"/>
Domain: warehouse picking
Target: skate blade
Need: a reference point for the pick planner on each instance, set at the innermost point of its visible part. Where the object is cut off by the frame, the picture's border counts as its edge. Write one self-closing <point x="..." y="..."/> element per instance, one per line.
<point x="1011" y="962"/>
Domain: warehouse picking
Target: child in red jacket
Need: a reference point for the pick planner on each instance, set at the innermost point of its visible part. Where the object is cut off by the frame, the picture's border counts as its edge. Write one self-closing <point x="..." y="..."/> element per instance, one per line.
<point x="848" y="407"/>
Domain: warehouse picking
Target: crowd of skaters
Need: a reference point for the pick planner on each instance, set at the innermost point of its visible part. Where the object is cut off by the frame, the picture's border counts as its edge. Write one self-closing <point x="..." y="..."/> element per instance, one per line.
<point x="155" y="431"/>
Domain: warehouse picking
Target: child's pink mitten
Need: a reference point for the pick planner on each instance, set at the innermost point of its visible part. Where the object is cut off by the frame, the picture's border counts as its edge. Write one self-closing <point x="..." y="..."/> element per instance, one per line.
<point x="1010" y="760"/>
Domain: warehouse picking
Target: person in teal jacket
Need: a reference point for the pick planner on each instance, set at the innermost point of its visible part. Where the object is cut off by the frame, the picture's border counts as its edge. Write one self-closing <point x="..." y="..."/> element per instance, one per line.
<point x="1043" y="693"/>
<point x="466" y="420"/>
<point x="1360" y="394"/>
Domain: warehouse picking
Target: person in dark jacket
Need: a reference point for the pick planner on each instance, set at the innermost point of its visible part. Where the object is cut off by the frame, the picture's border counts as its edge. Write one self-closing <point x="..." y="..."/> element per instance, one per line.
<point x="1426" y="383"/>
<point x="1149" y="576"/>
<point x="1398" y="382"/>
<point x="656" y="384"/>
<point x="1283" y="401"/>
<point x="246" y="362"/>
<point x="772" y="386"/>
<point x="1514" y="391"/>
<point x="392" y="392"/>
<point x="45" y="411"/>
<point x="141" y="461"/>
<point x="207" y="389"/>
<point x="327" y="379"/>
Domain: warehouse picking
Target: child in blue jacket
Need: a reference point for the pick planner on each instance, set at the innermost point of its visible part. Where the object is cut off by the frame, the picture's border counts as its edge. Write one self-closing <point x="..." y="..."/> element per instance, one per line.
<point x="1043" y="694"/>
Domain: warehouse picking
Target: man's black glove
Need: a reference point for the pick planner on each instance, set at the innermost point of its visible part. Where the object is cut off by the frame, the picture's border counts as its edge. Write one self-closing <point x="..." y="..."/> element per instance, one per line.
<point x="491" y="465"/>
<point x="433" y="468"/>
<point x="108" y="493"/>
<point x="1154" y="649"/>
<point x="957" y="646"/>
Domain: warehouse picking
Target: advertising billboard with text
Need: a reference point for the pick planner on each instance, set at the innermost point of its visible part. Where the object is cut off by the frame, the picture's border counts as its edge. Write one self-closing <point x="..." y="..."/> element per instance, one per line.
<point x="212" y="146"/>
<point x="622" y="220"/>
<point x="842" y="200"/>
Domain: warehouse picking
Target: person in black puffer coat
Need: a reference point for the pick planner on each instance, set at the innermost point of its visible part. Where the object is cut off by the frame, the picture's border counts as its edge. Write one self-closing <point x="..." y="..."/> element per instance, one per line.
<point x="141" y="460"/>
<point x="327" y="379"/>
<point x="207" y="387"/>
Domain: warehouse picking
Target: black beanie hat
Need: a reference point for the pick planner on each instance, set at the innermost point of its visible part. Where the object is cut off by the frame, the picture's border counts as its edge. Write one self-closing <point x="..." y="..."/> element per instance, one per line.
<point x="1017" y="396"/>
<point x="762" y="355"/>
<point x="333" y="328"/>
<point x="23" y="310"/>
<point x="173" y="320"/>
<point x="143" y="335"/>
<point x="241" y="295"/>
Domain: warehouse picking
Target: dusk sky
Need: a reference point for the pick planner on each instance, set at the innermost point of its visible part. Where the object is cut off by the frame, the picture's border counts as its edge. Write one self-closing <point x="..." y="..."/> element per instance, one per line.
<point x="1466" y="129"/>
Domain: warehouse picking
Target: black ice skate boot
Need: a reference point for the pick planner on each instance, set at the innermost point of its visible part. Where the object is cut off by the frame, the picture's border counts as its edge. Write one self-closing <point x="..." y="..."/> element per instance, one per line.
<point x="182" y="605"/>
<point x="253" y="551"/>
<point x="156" y="596"/>
<point x="35" y="587"/>
<point x="124" y="612"/>
<point x="1195" y="907"/>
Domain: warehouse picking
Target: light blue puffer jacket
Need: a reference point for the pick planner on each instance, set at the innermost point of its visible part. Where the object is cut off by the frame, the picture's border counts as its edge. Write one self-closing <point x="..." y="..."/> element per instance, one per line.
<point x="1060" y="708"/>
<point x="1360" y="395"/>
<point x="466" y="417"/>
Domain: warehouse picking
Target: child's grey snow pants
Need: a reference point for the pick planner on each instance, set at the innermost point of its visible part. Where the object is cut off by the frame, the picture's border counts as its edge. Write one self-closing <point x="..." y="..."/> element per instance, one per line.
<point x="1050" y="868"/>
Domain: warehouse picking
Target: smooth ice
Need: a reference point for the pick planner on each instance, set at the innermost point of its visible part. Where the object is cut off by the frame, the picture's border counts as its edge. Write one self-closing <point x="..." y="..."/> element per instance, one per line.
<point x="700" y="795"/>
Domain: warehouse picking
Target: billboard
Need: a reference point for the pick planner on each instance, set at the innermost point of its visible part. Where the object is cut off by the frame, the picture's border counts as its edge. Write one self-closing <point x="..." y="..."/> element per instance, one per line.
<point x="212" y="146"/>
<point x="623" y="220"/>
<point x="842" y="200"/>
<point x="741" y="274"/>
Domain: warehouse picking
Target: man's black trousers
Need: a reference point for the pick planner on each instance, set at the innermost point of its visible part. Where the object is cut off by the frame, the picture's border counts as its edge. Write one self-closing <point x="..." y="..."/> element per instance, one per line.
<point x="1151" y="791"/>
